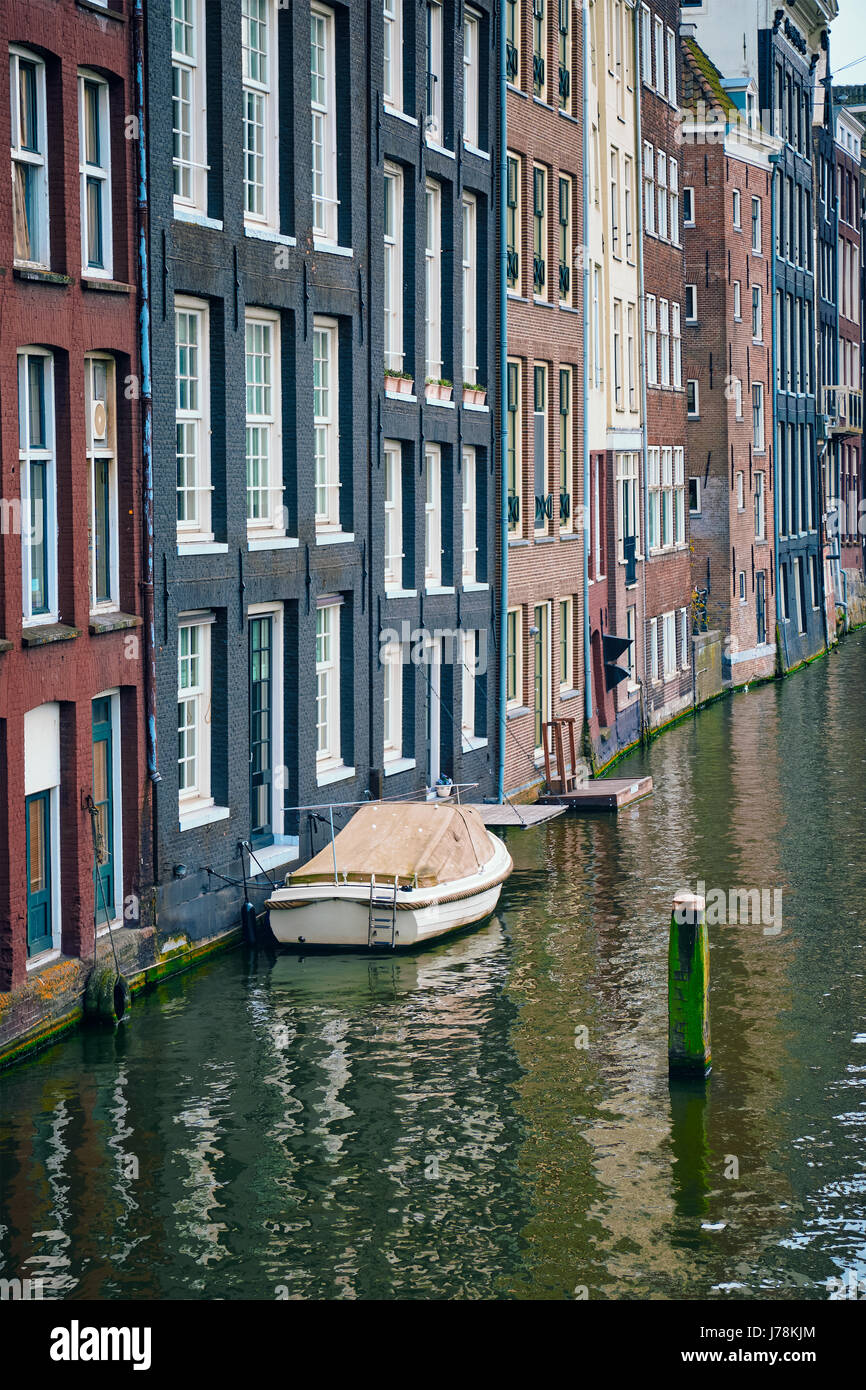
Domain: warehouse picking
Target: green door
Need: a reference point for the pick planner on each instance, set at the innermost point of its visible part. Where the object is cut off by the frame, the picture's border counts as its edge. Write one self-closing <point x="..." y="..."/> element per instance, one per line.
<point x="103" y="798"/>
<point x="37" y="812"/>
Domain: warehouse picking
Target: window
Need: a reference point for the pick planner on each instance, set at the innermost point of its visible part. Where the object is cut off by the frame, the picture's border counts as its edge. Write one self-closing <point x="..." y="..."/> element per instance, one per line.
<point x="741" y="491"/>
<point x="470" y="507"/>
<point x="514" y="449"/>
<point x="630" y="632"/>
<point x="565" y="295"/>
<point x="539" y="422"/>
<point x="653" y="649"/>
<point x="94" y="154"/>
<point x="324" y="124"/>
<point x="264" y="454"/>
<point x="566" y="451"/>
<point x="326" y="429"/>
<point x="471" y="76"/>
<point x="188" y="104"/>
<point x="646" y="53"/>
<point x="38" y="473"/>
<point x="29" y="157"/>
<point x="101" y="436"/>
<point x="541" y="681"/>
<point x="513" y="223"/>
<point x="433" y="516"/>
<point x="659" y="32"/>
<point x="757" y="314"/>
<point x="653" y="478"/>
<point x="669" y="645"/>
<point x="514" y="657"/>
<point x="433" y="123"/>
<point x="736" y="209"/>
<point x="756" y="224"/>
<point x="597" y="327"/>
<point x="652" y="367"/>
<point x="512" y="40"/>
<point x="42" y="828"/>
<point x="393" y="457"/>
<point x="392" y="705"/>
<point x="192" y="420"/>
<point x="688" y="207"/>
<point x="469" y="671"/>
<point x="265" y="623"/>
<point x="539" y="50"/>
<point x="258" y="29"/>
<point x="662" y="193"/>
<point x="392" y="76"/>
<point x="691" y="303"/>
<point x="328" y="752"/>
<point x="617" y="355"/>
<point x="470" y="289"/>
<point x="692" y="399"/>
<point x="737" y="304"/>
<point x="614" y="202"/>
<point x="627" y="208"/>
<point x="760" y="509"/>
<point x="672" y="67"/>
<point x="813" y="576"/>
<point x="566" y="645"/>
<point x="676" y="348"/>
<point x="433" y="281"/>
<point x="628" y="524"/>
<point x="393" y="269"/>
<point x="695" y="496"/>
<point x="738" y="397"/>
<point x="758" y="416"/>
<point x="667" y="498"/>
<point x="565" y="102"/>
<point x="674" y="191"/>
<point x="630" y="358"/>
<point x="665" y="342"/>
<point x="649" y="210"/>
<point x="194" y="712"/>
<point x="539" y="226"/>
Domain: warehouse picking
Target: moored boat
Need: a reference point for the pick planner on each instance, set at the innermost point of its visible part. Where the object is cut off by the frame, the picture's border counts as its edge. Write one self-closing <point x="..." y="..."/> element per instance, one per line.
<point x="399" y="874"/>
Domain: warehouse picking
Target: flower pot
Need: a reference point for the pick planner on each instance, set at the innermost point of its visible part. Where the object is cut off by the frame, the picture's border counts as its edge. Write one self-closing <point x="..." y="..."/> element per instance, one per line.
<point x="404" y="385"/>
<point x="392" y="383"/>
<point x="445" y="393"/>
<point x="443" y="792"/>
<point x="431" y="390"/>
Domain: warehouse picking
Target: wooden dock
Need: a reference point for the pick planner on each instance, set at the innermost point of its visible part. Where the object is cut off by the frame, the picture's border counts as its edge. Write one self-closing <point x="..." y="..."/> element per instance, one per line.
<point x="523" y="816"/>
<point x="604" y="794"/>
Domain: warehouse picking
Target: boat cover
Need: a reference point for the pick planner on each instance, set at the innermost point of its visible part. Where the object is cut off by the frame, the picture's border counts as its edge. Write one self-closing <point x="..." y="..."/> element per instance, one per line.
<point x="422" y="843"/>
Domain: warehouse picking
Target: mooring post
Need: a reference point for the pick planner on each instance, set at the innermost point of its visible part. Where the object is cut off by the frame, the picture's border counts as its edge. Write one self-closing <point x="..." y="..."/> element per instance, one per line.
<point x="688" y="988"/>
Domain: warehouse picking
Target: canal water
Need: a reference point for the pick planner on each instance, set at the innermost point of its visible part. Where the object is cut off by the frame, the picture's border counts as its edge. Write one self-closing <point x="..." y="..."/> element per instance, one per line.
<point x="493" y="1118"/>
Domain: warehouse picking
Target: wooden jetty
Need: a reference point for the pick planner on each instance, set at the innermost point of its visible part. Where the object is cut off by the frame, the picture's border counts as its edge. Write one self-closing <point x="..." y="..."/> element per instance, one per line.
<point x="525" y="816"/>
<point x="603" y="794"/>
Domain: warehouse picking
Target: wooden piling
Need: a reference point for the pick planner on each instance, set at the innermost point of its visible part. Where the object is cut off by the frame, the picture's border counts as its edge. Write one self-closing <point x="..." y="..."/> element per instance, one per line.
<point x="688" y="988"/>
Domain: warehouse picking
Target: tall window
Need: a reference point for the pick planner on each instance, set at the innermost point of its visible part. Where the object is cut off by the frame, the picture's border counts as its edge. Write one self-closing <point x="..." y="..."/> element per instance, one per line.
<point x="758" y="416"/>
<point x="392" y="80"/>
<point x="263" y="427"/>
<point x="539" y="49"/>
<point x="628" y="216"/>
<point x="101" y="434"/>
<point x="470" y="511"/>
<point x="393" y="280"/>
<point x="756" y="224"/>
<point x="674" y="191"/>
<point x="188" y="104"/>
<point x="324" y="123"/>
<point x="192" y="420"/>
<point x="628" y="525"/>
<point x="392" y="702"/>
<point x="94" y="153"/>
<point x="514" y="448"/>
<point x="679" y="496"/>
<point x="433" y="126"/>
<point x="646" y="52"/>
<point x="512" y="231"/>
<point x="565" y="56"/>
<point x="393" y="514"/>
<point x="194" y="712"/>
<point x="659" y="33"/>
<point x="631" y="365"/>
<point x="653" y="478"/>
<point x="662" y="193"/>
<point x="736" y="209"/>
<point x="566" y="644"/>
<point x="566" y="451"/>
<point x="328" y="744"/>
<point x="326" y="428"/>
<point x="614" y="202"/>
<point x="665" y="341"/>
<point x="512" y="40"/>
<point x="514" y="657"/>
<point x="649" y="197"/>
<point x="652" y="359"/>
<point x="433" y="516"/>
<point x="597" y="328"/>
<point x="539" y="422"/>
<point x="539" y="230"/>
<point x="470" y="289"/>
<point x="672" y="66"/>
<point x="468" y="673"/>
<point x="29" y="157"/>
<point x="37" y="467"/>
<point x="760" y="509"/>
<point x="617" y="355"/>
<point x="433" y="280"/>
<point x="757" y="314"/>
<point x="471" y="76"/>
<point x="565" y="291"/>
<point x="676" y="348"/>
<point x="260" y="112"/>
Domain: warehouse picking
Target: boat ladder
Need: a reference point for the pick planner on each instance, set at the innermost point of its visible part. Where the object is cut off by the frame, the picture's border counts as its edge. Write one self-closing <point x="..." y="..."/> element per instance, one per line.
<point x="382" y="921"/>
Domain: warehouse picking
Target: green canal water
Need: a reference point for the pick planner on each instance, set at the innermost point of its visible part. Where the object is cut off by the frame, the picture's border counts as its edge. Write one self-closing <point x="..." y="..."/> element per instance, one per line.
<point x="434" y="1126"/>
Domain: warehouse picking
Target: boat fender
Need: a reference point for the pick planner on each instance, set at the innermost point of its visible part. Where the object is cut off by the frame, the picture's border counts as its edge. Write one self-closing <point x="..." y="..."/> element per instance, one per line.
<point x="248" y="923"/>
<point x="107" y="995"/>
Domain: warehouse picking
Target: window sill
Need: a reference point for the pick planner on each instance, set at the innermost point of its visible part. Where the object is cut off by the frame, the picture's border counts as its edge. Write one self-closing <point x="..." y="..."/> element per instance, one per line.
<point x="39" y="635"/>
<point x="438" y="589"/>
<point x="39" y="276"/>
<point x="114" y="621"/>
<point x="202" y="815"/>
<point x="107" y="285"/>
<point x="196" y="219"/>
<point x="567" y="308"/>
<point x="517" y="542"/>
<point x="272" y="543"/>
<point x="569" y="535"/>
<point x="479" y="409"/>
<point x="342" y="773"/>
<point x="470" y="744"/>
<point x="268" y="234"/>
<point x="202" y="547"/>
<point x="395" y="765"/>
<point x="439" y="149"/>
<point x="399" y="115"/>
<point x="401" y="396"/>
<point x="517" y="711"/>
<point x="442" y="405"/>
<point x="569" y="694"/>
<point x="330" y="248"/>
<point x="400" y="593"/>
<point x="474" y="149"/>
<point x="334" y="537"/>
<point x="44" y="958"/>
<point x="474" y="586"/>
<point x="283" y="850"/>
<point x="542" y="303"/>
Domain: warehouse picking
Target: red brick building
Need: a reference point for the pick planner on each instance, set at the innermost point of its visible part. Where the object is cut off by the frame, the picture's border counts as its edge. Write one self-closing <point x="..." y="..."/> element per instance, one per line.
<point x="728" y="362"/>
<point x="846" y="404"/>
<point x="544" y="381"/>
<point x="71" y="717"/>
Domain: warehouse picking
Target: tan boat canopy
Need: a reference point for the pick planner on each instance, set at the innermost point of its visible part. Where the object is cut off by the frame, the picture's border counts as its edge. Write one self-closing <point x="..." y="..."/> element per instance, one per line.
<point x="422" y="843"/>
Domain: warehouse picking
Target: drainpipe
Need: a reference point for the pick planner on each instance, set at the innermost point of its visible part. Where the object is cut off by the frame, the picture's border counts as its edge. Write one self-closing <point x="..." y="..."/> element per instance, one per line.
<point x="587" y="663"/>
<point x="146" y="413"/>
<point x="641" y="346"/>
<point x="503" y="408"/>
<point x="774" y="160"/>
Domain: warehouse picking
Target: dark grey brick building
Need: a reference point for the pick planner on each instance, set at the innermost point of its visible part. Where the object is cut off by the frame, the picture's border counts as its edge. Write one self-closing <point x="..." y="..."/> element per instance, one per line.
<point x="284" y="469"/>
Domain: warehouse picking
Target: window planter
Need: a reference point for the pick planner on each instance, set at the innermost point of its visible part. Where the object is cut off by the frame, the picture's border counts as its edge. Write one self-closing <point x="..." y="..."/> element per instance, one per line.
<point x="474" y="395"/>
<point x="399" y="384"/>
<point x="438" y="390"/>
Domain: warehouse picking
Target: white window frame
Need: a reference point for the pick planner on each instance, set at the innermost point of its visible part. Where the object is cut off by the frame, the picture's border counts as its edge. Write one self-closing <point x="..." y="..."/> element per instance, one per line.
<point x="738" y="302"/>
<point x="691" y="303"/>
<point x="102" y="447"/>
<point x="468" y="691"/>
<point x="566" y="644"/>
<point x="328" y="736"/>
<point x="470" y="288"/>
<point x="665" y="341"/>
<point x="196" y="795"/>
<point x="646" y="55"/>
<point x="757" y="233"/>
<point x="434" y="68"/>
<point x="392" y="702"/>
<point x="758" y="430"/>
<point x="515" y="427"/>
<point x="662" y="195"/>
<point x="757" y="314"/>
<point x="679" y="495"/>
<point x="471" y="76"/>
<point x="627" y="499"/>
<point x="671" y="66"/>
<point x="669" y="645"/>
<point x="693" y="414"/>
<point x="96" y="174"/>
<point x="432" y="516"/>
<point x="198" y="528"/>
<point x="265" y="418"/>
<point x="688" y="203"/>
<point x="676" y="347"/>
<point x="649" y="186"/>
<point x="514" y="701"/>
<point x="393" y="267"/>
<point x="189" y="96"/>
<point x="469" y="515"/>
<point x="34" y="160"/>
<point x="323" y="116"/>
<point x="260" y="88"/>
<point x="653" y="484"/>
<point x="760" y="507"/>
<point x="392" y="482"/>
<point x="652" y="357"/>
<point x="276" y="612"/>
<point x="392" y="54"/>
<point x="659" y="38"/>
<point x="28" y="454"/>
<point x="654" y="650"/>
<point x="326" y="425"/>
<point x="433" y="280"/>
<point x="736" y="210"/>
<point x="674" y="199"/>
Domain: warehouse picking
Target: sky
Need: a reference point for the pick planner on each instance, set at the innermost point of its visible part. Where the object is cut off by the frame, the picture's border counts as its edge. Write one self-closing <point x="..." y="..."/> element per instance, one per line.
<point x="848" y="41"/>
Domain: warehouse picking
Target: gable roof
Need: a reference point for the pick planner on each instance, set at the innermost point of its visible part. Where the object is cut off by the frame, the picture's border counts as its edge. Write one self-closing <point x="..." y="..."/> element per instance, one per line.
<point x="702" y="81"/>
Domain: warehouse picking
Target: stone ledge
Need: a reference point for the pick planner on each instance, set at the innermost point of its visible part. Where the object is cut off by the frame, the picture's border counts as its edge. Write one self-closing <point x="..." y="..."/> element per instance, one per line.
<point x="112" y="622"/>
<point x="110" y="286"/>
<point x="41" y="277"/>
<point x="49" y="632"/>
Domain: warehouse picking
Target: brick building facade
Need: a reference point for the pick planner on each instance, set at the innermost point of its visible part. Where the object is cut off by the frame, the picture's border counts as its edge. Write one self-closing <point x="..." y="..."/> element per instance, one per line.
<point x="71" y="709"/>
